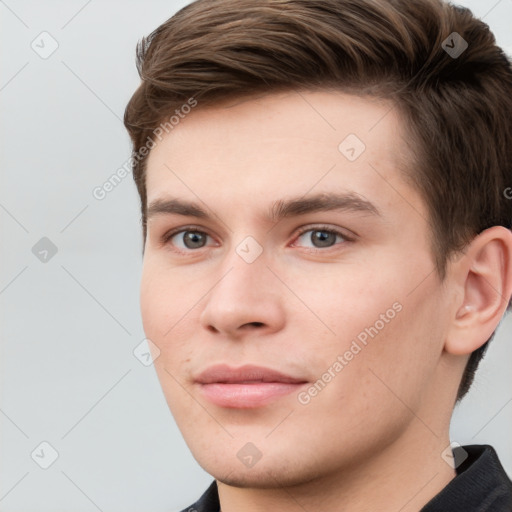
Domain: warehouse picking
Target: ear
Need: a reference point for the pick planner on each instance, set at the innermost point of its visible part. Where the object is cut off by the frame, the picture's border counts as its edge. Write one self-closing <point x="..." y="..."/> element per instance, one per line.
<point x="484" y="277"/>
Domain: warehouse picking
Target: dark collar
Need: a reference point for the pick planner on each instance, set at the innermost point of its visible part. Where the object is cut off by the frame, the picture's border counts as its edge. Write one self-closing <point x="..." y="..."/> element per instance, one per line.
<point x="481" y="485"/>
<point x="208" y="502"/>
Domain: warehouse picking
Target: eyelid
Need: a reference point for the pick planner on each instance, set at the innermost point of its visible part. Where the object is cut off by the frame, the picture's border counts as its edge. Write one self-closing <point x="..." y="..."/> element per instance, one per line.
<point x="344" y="233"/>
<point x="169" y="234"/>
<point x="166" y="237"/>
<point x="325" y="228"/>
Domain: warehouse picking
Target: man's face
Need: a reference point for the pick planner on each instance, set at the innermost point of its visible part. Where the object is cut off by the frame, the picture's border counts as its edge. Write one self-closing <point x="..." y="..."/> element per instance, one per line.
<point x="357" y="315"/>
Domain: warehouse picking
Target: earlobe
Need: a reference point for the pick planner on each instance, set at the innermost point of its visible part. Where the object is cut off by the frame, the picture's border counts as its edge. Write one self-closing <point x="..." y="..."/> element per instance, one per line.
<point x="485" y="275"/>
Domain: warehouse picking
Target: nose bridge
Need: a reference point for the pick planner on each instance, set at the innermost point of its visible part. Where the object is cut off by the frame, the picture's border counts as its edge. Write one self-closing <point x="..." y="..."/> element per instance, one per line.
<point x="246" y="257"/>
<point x="244" y="293"/>
<point x="245" y="273"/>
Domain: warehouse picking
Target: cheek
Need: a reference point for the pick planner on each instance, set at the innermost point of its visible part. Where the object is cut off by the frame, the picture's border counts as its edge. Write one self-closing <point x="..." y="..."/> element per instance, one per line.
<point x="356" y="302"/>
<point x="168" y="314"/>
<point x="163" y="298"/>
<point x="383" y="328"/>
<point x="151" y="305"/>
<point x="161" y="306"/>
<point x="158" y="311"/>
<point x="400" y="356"/>
<point x="376" y="378"/>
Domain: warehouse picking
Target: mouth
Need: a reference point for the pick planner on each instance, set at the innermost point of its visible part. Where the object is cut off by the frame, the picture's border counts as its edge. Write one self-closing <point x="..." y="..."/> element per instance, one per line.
<point x="246" y="395"/>
<point x="246" y="387"/>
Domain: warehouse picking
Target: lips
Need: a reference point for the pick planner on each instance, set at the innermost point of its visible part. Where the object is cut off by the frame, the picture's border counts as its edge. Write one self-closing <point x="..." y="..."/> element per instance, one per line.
<point x="247" y="387"/>
<point x="244" y="375"/>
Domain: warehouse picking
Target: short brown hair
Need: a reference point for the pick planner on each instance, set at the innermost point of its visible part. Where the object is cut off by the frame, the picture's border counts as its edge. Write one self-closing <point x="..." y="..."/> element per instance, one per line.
<point x="457" y="109"/>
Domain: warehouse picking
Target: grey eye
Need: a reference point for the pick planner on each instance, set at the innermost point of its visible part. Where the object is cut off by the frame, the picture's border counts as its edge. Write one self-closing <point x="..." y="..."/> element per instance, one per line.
<point x="323" y="238"/>
<point x="320" y="237"/>
<point x="191" y="239"/>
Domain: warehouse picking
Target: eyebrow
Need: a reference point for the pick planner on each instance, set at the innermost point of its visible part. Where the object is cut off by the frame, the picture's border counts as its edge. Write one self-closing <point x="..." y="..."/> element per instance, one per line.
<point x="280" y="209"/>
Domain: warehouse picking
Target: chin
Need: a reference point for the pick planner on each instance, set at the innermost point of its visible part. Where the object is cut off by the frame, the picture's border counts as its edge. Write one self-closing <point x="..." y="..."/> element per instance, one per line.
<point x="269" y="474"/>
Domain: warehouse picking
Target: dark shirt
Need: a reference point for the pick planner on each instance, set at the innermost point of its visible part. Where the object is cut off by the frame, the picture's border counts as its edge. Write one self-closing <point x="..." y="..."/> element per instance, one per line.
<point x="481" y="485"/>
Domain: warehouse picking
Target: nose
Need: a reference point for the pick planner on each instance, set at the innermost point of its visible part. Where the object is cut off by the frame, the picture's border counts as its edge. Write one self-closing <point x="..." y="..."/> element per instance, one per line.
<point x="246" y="297"/>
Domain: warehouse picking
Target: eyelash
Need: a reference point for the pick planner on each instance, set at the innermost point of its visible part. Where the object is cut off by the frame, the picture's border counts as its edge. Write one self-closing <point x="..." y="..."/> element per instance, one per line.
<point x="324" y="229"/>
<point x="192" y="229"/>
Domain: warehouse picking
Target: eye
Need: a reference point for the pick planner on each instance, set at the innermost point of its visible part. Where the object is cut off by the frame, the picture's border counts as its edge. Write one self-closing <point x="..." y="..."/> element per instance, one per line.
<point x="186" y="239"/>
<point x="321" y="237"/>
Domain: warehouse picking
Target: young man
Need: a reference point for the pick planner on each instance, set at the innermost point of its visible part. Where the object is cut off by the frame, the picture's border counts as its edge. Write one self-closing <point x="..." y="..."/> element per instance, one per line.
<point x="325" y="191"/>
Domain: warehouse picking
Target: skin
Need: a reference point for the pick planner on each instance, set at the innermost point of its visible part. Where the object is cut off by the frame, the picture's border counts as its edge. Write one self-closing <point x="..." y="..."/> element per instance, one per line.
<point x="372" y="438"/>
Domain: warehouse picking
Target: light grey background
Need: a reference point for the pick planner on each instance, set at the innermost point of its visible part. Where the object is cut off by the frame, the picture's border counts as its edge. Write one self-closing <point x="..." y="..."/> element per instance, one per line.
<point x="69" y="326"/>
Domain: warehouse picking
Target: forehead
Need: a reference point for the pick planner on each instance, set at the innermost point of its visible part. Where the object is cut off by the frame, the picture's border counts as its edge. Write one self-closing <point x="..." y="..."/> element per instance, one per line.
<point x="282" y="144"/>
